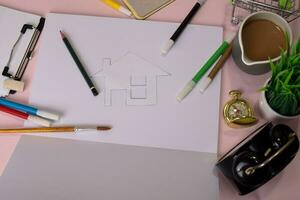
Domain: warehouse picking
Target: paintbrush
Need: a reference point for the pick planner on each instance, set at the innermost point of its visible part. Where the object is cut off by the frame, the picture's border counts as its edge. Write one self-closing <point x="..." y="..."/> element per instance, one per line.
<point x="66" y="129"/>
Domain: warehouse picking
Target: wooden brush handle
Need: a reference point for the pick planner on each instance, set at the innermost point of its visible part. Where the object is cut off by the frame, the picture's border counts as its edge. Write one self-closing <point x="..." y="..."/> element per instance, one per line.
<point x="39" y="130"/>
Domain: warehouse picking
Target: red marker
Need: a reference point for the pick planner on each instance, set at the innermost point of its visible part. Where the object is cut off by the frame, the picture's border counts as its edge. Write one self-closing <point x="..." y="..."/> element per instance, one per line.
<point x="25" y="116"/>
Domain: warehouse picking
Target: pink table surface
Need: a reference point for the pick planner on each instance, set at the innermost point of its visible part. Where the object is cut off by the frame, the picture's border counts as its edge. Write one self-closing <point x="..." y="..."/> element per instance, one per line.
<point x="215" y="12"/>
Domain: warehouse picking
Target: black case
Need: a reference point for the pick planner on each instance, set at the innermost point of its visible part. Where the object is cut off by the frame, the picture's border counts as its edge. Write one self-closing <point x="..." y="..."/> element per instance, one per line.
<point x="259" y="157"/>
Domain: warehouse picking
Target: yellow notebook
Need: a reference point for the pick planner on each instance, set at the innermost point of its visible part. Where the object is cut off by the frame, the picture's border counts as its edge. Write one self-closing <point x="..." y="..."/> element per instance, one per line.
<point x="142" y="9"/>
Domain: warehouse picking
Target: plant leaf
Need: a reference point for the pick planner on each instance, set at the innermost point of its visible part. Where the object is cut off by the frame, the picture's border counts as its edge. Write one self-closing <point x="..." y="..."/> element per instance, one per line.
<point x="289" y="76"/>
<point x="285" y="4"/>
<point x="283" y="90"/>
<point x="297" y="81"/>
<point x="273" y="68"/>
<point x="284" y="104"/>
<point x="295" y="61"/>
<point x="296" y="48"/>
<point x="298" y="97"/>
<point x="287" y="43"/>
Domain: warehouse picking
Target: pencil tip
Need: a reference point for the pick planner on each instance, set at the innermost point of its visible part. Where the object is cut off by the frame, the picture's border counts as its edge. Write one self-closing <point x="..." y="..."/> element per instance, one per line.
<point x="62" y="34"/>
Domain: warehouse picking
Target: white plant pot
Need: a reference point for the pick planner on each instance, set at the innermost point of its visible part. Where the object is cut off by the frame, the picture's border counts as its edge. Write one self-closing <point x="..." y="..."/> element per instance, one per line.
<point x="267" y="112"/>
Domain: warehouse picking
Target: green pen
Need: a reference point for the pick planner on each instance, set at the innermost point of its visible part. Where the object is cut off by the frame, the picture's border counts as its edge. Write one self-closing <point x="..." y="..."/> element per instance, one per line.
<point x="192" y="83"/>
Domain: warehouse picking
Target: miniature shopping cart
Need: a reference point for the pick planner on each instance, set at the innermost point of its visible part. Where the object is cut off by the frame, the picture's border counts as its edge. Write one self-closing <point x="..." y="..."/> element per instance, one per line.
<point x="290" y="11"/>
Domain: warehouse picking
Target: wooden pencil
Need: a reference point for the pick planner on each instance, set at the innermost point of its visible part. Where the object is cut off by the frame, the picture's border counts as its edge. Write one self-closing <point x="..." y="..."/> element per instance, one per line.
<point x="79" y="64"/>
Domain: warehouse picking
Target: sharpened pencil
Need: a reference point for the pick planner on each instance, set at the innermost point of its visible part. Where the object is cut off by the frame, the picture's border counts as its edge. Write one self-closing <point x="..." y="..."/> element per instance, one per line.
<point x="79" y="65"/>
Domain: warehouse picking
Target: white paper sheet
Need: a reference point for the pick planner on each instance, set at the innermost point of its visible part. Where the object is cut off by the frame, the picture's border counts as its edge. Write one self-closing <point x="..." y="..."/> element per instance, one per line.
<point x="160" y="121"/>
<point x="11" y="23"/>
<point x="59" y="169"/>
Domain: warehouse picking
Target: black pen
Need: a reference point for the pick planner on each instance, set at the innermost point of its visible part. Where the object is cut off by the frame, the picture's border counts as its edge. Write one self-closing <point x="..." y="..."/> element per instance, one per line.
<point x="182" y="26"/>
<point x="79" y="65"/>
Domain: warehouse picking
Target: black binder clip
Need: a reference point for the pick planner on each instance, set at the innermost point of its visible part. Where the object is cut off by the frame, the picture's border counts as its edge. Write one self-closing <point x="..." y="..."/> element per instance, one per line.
<point x="28" y="54"/>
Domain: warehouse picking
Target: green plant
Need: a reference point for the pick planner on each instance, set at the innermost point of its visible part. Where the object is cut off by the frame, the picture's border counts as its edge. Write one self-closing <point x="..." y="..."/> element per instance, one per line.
<point x="283" y="90"/>
<point x="286" y="4"/>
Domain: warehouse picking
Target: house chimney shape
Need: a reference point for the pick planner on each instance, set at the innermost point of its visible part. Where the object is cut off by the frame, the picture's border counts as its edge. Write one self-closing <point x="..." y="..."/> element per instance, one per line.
<point x="106" y="63"/>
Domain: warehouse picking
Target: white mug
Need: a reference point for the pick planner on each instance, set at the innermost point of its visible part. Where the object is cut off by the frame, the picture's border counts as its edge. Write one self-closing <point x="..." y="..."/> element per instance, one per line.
<point x="238" y="52"/>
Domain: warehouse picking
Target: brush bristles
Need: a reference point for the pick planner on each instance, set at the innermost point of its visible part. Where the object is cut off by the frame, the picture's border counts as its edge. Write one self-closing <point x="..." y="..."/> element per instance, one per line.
<point x="103" y="128"/>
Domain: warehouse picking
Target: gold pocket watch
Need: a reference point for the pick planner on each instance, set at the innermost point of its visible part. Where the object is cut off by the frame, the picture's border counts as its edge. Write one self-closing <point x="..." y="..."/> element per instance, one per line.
<point x="237" y="111"/>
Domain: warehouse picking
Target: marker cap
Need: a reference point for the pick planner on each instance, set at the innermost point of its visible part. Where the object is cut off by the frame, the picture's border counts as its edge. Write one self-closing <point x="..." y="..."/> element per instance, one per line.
<point x="39" y="120"/>
<point x="186" y="90"/>
<point x="47" y="115"/>
<point x="125" y="11"/>
<point x="204" y="84"/>
<point x="165" y="49"/>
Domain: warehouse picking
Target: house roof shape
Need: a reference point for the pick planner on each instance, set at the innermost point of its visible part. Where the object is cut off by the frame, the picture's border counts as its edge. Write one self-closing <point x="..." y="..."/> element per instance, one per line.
<point x="132" y="65"/>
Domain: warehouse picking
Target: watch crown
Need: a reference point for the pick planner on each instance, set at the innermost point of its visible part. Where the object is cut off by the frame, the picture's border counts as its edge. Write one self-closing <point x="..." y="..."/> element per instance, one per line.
<point x="235" y="93"/>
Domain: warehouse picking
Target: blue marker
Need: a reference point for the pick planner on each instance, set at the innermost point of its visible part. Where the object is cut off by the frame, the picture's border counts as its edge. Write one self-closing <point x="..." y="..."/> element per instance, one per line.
<point x="28" y="109"/>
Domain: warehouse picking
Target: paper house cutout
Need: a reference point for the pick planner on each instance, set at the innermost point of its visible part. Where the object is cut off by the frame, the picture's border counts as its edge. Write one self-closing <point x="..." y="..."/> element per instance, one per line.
<point x="134" y="75"/>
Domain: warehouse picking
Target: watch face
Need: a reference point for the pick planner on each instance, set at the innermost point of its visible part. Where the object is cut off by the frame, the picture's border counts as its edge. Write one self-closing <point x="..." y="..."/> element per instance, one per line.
<point x="238" y="109"/>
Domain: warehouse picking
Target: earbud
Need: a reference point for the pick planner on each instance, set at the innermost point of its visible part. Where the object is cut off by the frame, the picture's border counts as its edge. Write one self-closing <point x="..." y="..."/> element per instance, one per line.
<point x="251" y="168"/>
<point x="244" y="161"/>
<point x="279" y="135"/>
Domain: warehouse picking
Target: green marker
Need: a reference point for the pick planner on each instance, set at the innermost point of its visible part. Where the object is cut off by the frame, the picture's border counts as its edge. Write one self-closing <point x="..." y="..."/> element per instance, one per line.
<point x="192" y="83"/>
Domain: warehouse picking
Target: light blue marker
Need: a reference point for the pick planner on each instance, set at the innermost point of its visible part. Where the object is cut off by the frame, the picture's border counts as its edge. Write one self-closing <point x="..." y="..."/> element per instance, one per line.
<point x="28" y="109"/>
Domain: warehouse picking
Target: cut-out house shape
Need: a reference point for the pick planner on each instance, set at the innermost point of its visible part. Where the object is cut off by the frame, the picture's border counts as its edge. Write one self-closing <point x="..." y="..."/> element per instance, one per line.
<point x="133" y="75"/>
